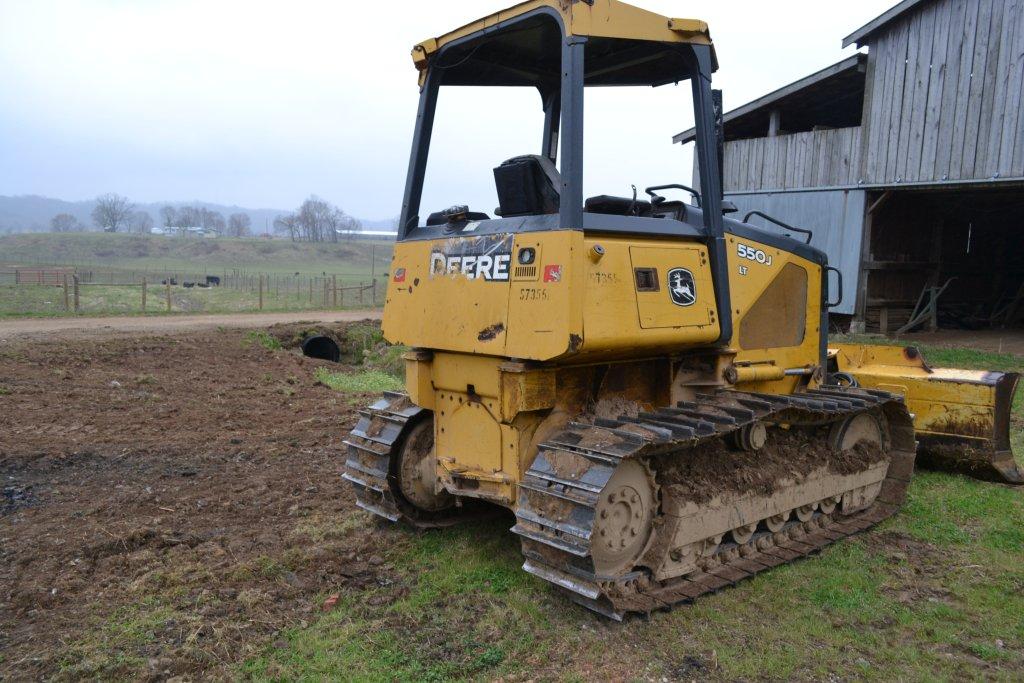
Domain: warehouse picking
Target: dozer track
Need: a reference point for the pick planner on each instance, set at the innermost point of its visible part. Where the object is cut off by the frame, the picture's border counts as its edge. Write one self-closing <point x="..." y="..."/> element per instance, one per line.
<point x="562" y="491"/>
<point x="372" y="446"/>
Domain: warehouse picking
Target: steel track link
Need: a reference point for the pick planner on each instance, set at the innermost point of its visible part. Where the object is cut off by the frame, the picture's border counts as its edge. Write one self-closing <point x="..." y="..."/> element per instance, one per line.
<point x="557" y="507"/>
<point x="372" y="446"/>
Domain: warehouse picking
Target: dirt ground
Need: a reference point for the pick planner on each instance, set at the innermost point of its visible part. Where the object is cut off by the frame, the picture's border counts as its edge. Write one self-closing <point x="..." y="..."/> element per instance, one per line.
<point x="130" y="462"/>
<point x="42" y="328"/>
<point x="172" y="509"/>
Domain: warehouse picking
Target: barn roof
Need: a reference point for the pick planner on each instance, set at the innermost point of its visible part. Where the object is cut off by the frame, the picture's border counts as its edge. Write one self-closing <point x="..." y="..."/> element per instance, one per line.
<point x="861" y="35"/>
<point x="828" y="88"/>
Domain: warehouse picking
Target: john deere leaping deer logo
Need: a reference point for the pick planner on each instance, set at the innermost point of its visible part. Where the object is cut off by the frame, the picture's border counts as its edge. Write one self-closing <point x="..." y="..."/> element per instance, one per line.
<point x="681" y="287"/>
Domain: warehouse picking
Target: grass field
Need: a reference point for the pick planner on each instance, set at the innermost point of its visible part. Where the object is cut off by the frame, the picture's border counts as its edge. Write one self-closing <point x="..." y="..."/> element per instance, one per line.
<point x="937" y="592"/>
<point x="42" y="301"/>
<point x="129" y="258"/>
<point x="161" y="253"/>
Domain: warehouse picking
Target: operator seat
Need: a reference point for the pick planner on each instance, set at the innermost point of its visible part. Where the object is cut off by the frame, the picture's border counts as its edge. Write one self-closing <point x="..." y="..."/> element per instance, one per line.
<point x="527" y="185"/>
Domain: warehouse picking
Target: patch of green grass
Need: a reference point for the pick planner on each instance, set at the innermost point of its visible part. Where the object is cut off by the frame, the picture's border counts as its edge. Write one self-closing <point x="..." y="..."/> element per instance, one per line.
<point x="200" y="256"/>
<point x="926" y="596"/>
<point x="264" y="339"/>
<point x="116" y="258"/>
<point x="960" y="512"/>
<point x="363" y="382"/>
<point x="116" y="646"/>
<point x="465" y="611"/>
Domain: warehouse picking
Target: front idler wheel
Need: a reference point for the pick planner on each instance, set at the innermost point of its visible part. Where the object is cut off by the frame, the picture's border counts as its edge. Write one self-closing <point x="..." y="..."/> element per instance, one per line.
<point x="624" y="521"/>
<point x="416" y="471"/>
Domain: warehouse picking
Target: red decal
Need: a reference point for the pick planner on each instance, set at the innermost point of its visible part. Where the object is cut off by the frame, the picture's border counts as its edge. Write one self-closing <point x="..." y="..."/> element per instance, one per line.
<point x="552" y="273"/>
<point x="400" y="275"/>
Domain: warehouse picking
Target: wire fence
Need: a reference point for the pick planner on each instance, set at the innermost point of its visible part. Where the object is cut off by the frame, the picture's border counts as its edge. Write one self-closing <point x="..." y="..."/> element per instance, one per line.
<point x="40" y="290"/>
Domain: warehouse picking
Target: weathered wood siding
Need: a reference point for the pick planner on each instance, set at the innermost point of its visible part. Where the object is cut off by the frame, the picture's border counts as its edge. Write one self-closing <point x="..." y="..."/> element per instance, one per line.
<point x="835" y="216"/>
<point x="943" y="94"/>
<point x="824" y="158"/>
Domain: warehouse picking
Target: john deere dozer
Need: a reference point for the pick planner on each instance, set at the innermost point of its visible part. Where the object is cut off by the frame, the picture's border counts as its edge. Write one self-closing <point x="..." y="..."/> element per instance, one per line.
<point x="645" y="383"/>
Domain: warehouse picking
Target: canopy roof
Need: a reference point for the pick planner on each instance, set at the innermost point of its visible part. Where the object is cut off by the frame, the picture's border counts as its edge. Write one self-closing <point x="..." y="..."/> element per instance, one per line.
<point x="521" y="45"/>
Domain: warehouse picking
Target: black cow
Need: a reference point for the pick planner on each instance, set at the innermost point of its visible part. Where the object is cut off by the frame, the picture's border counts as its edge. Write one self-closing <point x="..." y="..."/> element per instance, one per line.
<point x="213" y="280"/>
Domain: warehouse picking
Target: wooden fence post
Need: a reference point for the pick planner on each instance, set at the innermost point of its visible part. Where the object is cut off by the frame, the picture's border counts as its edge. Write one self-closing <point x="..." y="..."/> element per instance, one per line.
<point x="334" y="288"/>
<point x="325" y="292"/>
<point x="362" y="288"/>
<point x="261" y="291"/>
<point x="75" y="280"/>
<point x="67" y="303"/>
<point x="143" y="295"/>
<point x="310" y="290"/>
<point x="168" y="281"/>
<point x="373" y="291"/>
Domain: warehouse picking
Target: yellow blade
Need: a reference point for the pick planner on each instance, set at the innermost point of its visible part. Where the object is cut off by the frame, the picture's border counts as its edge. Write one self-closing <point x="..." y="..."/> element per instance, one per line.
<point x="961" y="417"/>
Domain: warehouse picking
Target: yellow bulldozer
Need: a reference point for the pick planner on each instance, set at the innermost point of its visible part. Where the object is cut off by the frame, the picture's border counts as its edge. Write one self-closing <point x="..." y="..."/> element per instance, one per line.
<point x="646" y="383"/>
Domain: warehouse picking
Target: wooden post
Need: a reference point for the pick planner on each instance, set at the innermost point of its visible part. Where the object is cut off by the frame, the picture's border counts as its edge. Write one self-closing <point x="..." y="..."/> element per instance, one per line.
<point x="362" y="288"/>
<point x="310" y="290"/>
<point x="168" y="295"/>
<point x="143" y="295"/>
<point x="75" y="281"/>
<point x="261" y="291"/>
<point x="373" y="290"/>
<point x="883" y="321"/>
<point x="67" y="303"/>
<point x="325" y="292"/>
<point x="334" y="287"/>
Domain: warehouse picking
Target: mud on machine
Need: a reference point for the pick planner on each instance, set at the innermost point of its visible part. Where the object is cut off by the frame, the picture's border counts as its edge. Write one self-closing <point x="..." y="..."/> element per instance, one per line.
<point x="644" y="381"/>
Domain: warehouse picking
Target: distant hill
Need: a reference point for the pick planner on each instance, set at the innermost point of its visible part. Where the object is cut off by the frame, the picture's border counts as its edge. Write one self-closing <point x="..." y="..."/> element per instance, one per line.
<point x="32" y="213"/>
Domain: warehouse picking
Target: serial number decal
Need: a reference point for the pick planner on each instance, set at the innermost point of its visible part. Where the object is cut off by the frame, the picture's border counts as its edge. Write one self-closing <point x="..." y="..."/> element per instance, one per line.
<point x="753" y="254"/>
<point x="604" y="278"/>
<point x="533" y="294"/>
<point x="487" y="257"/>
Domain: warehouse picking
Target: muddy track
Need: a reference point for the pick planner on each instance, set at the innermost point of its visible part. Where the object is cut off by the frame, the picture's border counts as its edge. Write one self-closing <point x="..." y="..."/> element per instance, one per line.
<point x="557" y="516"/>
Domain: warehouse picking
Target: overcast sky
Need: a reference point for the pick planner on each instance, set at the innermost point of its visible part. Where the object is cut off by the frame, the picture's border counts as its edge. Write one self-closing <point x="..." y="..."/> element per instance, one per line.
<point x="263" y="103"/>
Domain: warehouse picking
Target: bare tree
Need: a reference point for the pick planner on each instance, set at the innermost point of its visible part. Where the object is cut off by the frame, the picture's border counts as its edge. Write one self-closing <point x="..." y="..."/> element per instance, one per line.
<point x="287" y="224"/>
<point x="211" y="221"/>
<point x="65" y="222"/>
<point x="239" y="225"/>
<point x="341" y="224"/>
<point x="188" y="217"/>
<point x="141" y="222"/>
<point x="169" y="215"/>
<point x="112" y="212"/>
<point x="319" y="221"/>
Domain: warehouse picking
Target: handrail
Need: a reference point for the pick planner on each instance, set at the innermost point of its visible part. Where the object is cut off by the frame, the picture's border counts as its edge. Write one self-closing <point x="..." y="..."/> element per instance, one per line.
<point x="776" y="221"/>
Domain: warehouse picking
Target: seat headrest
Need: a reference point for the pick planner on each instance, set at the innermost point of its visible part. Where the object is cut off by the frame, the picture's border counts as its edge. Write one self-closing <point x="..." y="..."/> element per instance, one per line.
<point x="528" y="185"/>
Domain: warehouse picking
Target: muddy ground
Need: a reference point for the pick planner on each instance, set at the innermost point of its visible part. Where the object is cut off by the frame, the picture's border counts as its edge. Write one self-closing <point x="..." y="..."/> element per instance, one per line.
<point x="131" y="463"/>
<point x="172" y="509"/>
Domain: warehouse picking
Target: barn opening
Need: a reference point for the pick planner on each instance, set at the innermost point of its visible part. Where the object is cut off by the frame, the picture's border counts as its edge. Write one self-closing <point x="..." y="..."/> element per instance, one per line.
<point x="965" y="241"/>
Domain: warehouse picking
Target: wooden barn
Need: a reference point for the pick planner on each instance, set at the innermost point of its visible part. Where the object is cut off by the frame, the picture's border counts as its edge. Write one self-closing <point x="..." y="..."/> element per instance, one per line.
<point x="906" y="161"/>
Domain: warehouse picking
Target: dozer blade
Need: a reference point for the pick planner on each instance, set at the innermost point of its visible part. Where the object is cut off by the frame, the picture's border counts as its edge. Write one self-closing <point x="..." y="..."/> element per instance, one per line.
<point x="961" y="417"/>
